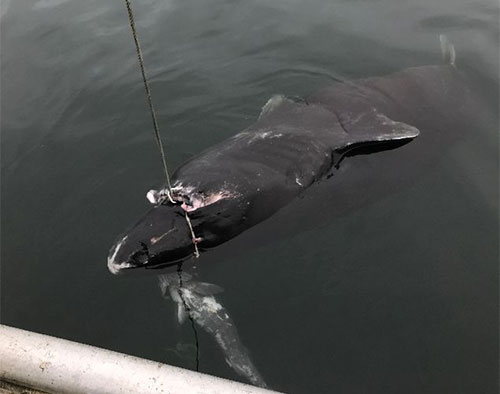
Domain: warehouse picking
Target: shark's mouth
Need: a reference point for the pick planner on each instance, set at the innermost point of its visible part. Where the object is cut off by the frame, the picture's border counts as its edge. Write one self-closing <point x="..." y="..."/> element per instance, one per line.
<point x="140" y="260"/>
<point x="144" y="256"/>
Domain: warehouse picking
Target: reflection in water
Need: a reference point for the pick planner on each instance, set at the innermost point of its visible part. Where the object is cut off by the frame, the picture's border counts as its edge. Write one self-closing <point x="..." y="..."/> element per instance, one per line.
<point x="196" y="300"/>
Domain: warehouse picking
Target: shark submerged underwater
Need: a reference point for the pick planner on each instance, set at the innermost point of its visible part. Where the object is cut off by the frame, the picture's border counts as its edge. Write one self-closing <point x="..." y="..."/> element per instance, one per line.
<point x="240" y="182"/>
<point x="196" y="300"/>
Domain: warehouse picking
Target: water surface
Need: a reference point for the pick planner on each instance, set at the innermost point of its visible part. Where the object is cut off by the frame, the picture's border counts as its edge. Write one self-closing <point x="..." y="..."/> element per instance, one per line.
<point x="400" y="295"/>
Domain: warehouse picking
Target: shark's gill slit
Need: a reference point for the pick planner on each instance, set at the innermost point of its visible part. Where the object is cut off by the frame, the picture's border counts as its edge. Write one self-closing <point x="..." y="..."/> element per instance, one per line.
<point x="190" y="317"/>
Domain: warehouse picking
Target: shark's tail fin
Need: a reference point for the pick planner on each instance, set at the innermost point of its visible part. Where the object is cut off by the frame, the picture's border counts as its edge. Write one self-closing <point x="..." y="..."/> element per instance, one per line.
<point x="447" y="50"/>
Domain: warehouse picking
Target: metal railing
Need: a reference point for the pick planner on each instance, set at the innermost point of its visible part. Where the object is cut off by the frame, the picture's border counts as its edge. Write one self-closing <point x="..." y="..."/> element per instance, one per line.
<point x="57" y="365"/>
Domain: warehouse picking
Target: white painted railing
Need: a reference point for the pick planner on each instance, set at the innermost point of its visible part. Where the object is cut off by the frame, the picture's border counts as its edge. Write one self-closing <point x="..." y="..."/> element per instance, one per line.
<point x="60" y="366"/>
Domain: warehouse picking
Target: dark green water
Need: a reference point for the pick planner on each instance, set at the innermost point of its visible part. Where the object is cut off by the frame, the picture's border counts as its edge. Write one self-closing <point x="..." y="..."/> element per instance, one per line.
<point x="400" y="295"/>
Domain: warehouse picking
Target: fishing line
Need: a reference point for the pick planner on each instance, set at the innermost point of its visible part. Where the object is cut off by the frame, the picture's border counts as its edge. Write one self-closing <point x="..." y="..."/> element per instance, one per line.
<point x="190" y="316"/>
<point x="148" y="95"/>
<point x="155" y="122"/>
<point x="165" y="168"/>
<point x="193" y="237"/>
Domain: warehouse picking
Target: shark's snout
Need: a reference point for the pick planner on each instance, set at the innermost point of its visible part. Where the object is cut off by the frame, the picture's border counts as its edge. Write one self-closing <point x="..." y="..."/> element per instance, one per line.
<point x="116" y="261"/>
<point x="160" y="239"/>
<point x="127" y="254"/>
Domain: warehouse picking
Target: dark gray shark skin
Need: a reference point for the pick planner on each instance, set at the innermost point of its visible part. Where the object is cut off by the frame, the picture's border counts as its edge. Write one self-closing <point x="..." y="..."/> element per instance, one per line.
<point x="244" y="180"/>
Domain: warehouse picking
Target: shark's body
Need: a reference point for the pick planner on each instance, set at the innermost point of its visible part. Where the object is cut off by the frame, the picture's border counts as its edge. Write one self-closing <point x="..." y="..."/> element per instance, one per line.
<point x="244" y="180"/>
<point x="238" y="183"/>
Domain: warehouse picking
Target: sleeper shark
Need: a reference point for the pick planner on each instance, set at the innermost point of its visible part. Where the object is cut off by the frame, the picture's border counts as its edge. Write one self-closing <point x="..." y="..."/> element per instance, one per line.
<point x="295" y="143"/>
<point x="242" y="181"/>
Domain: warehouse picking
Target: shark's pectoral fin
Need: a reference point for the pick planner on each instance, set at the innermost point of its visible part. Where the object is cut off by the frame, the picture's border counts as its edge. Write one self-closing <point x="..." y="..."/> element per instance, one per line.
<point x="373" y="126"/>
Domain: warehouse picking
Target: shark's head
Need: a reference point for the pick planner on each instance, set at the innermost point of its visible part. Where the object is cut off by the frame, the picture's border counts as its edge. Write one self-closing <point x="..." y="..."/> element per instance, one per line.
<point x="160" y="239"/>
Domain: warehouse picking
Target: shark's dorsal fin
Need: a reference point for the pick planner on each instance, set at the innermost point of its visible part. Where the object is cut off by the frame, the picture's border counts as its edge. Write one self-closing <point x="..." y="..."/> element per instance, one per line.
<point x="271" y="104"/>
<point x="276" y="100"/>
<point x="447" y="50"/>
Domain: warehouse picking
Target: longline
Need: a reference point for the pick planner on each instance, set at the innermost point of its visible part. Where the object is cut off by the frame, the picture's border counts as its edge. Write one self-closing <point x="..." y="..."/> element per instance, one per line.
<point x="148" y="94"/>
